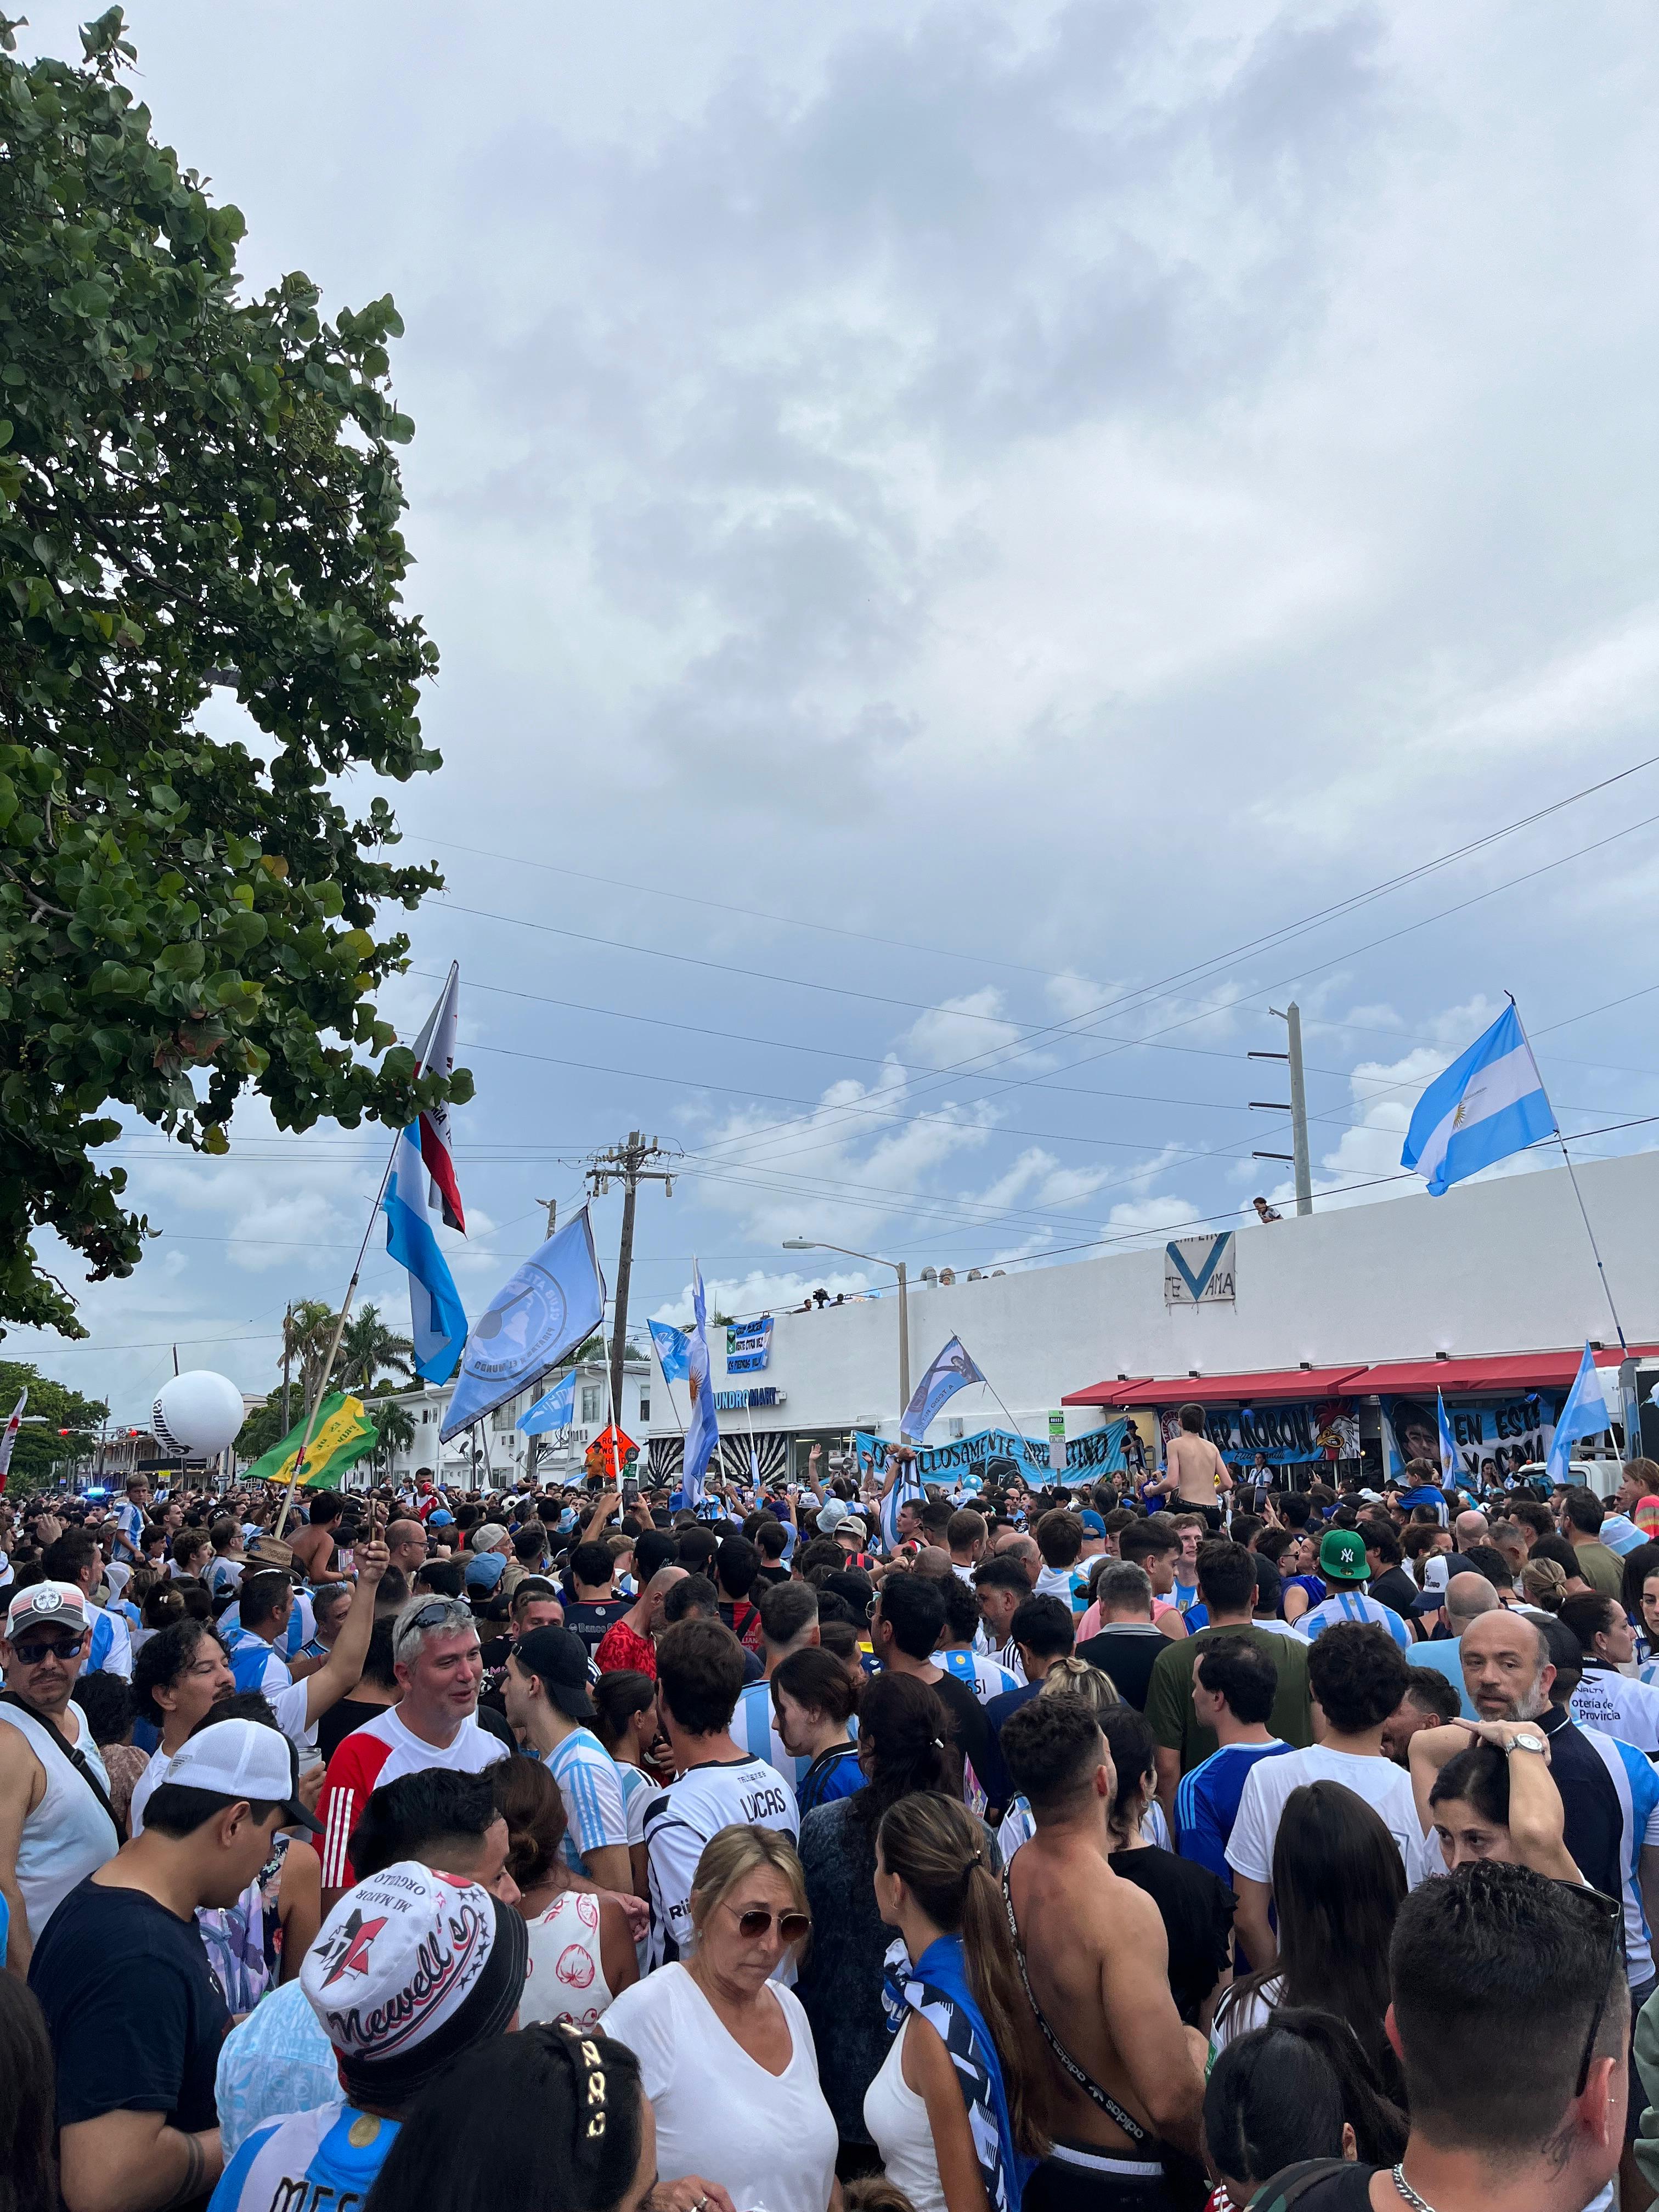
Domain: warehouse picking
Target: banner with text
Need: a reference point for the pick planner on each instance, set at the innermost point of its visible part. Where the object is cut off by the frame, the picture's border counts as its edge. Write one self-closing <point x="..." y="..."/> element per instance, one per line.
<point x="747" y="1345"/>
<point x="1201" y="1270"/>
<point x="1293" y="1435"/>
<point x="1495" y="1437"/>
<point x="1099" y="1452"/>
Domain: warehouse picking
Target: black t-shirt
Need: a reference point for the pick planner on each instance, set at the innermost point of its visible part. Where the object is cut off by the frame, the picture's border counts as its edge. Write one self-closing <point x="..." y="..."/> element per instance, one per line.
<point x="1395" y="1588"/>
<point x="135" y="2012"/>
<point x="589" y="1618"/>
<point x="338" y="1722"/>
<point x="973" y="1732"/>
<point x="1197" y="1913"/>
<point x="1126" y="1651"/>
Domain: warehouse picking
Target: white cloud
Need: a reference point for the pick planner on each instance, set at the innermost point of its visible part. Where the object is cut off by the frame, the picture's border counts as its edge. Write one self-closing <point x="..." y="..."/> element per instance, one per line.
<point x="960" y="1028"/>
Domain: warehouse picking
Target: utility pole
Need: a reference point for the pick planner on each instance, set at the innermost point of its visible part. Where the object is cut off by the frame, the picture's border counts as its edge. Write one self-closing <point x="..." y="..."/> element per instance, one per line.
<point x="1296" y="1108"/>
<point x="288" y="1342"/>
<point x="626" y="1165"/>
<point x="552" y="1206"/>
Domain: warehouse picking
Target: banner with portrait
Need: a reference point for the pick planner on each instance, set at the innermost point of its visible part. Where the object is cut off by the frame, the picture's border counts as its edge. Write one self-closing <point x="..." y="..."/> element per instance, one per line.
<point x="1299" y="1433"/>
<point x="1495" y="1437"/>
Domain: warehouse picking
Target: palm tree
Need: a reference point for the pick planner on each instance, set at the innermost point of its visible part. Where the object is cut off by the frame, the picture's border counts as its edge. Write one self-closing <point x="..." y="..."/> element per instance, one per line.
<point x="369" y="1348"/>
<point x="397" y="1426"/>
<point x="308" y="1331"/>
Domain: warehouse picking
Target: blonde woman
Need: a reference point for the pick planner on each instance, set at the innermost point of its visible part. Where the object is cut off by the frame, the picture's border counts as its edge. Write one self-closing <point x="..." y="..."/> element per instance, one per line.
<point x="726" y="2053"/>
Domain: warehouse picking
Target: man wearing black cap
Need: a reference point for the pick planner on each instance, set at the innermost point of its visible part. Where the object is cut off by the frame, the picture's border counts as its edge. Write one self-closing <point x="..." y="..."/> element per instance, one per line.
<point x="544" y="1691"/>
<point x="134" y="2013"/>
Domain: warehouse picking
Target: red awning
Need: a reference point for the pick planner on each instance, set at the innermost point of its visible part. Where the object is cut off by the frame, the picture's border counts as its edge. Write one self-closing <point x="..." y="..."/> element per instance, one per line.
<point x="1477" y="1376"/>
<point x="1105" y="1394"/>
<point x="1282" y="1382"/>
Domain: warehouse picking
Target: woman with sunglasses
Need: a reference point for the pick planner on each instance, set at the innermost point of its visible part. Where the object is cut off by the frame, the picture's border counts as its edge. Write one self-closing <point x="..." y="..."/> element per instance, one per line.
<point x="726" y="2054"/>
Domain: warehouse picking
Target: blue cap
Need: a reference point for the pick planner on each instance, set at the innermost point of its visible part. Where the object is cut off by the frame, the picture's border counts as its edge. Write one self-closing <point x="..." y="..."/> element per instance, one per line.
<point x="440" y="1519"/>
<point x="484" y="1570"/>
<point x="1092" y="1524"/>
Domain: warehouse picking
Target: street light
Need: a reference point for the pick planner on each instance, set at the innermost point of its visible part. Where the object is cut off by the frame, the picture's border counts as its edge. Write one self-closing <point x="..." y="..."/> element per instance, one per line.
<point x="816" y="1244"/>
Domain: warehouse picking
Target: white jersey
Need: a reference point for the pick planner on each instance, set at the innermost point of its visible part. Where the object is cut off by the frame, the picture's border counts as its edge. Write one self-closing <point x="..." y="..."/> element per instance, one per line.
<point x="1621" y="1707"/>
<point x="730" y="1792"/>
<point x="754" y="1725"/>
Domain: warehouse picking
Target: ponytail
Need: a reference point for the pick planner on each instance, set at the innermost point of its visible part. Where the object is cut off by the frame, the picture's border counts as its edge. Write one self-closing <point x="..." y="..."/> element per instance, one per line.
<point x="943" y="1856"/>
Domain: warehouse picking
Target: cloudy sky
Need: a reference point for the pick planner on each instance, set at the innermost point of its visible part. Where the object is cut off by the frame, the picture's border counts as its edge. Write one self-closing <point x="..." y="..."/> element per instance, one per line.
<point x="975" y="551"/>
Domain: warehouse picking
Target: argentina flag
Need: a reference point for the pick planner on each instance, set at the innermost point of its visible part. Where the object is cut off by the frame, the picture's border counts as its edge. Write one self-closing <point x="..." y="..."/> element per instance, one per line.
<point x="703" y="1433"/>
<point x="953" y="1370"/>
<point x="1488" y="1104"/>
<point x="906" y="1488"/>
<point x="437" y="1318"/>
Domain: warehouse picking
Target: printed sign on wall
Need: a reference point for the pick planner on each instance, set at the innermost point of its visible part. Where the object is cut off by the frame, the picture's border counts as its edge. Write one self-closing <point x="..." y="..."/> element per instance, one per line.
<point x="1201" y="1271"/>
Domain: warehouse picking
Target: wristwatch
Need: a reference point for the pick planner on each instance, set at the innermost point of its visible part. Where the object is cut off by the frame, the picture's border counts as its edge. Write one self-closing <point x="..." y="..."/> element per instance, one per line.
<point x="1526" y="1743"/>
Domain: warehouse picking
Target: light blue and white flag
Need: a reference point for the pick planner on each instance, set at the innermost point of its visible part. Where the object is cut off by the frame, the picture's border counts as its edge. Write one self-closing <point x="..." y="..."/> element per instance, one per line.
<point x="1488" y="1103"/>
<point x="554" y="1303"/>
<point x="909" y="1489"/>
<point x="1451" y="1466"/>
<point x="437" y="1318"/>
<point x="674" y="1350"/>
<point x="1586" y="1414"/>
<point x="951" y="1371"/>
<point x="557" y="1410"/>
<point x="703" y="1434"/>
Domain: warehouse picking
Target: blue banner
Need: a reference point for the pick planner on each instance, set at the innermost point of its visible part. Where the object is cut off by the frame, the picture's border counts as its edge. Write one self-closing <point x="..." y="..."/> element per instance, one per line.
<point x="557" y="1410"/>
<point x="747" y="1345"/>
<point x="1100" y="1452"/>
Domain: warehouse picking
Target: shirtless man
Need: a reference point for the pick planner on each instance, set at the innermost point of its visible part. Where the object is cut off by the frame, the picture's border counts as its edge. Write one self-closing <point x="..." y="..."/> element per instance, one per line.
<point x="1098" y="1963"/>
<point x="313" y="1544"/>
<point x="1197" y="1470"/>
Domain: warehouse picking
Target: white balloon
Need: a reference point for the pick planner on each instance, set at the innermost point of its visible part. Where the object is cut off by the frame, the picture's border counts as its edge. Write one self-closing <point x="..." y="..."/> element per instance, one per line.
<point x="199" y="1413"/>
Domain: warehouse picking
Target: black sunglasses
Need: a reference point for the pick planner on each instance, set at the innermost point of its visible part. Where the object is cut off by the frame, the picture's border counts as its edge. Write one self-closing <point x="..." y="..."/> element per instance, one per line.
<point x="34" y="1650"/>
<point x="1614" y="1912"/>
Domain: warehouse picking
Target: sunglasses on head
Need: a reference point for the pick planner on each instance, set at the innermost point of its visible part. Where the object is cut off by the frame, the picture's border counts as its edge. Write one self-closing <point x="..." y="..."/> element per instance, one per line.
<point x="33" y="1650"/>
<point x="793" y="1927"/>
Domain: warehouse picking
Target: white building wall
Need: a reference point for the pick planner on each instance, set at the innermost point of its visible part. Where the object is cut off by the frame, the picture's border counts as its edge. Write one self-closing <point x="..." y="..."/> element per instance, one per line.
<point x="1491" y="1268"/>
<point x="561" y="1456"/>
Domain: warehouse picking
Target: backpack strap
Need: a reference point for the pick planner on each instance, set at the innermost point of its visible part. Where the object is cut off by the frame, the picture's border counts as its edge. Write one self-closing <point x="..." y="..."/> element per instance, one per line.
<point x="76" y="1758"/>
<point x="1292" y="2182"/>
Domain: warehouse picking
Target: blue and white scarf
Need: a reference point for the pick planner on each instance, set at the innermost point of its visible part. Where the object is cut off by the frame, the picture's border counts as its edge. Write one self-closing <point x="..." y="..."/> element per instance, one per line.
<point x="937" y="1988"/>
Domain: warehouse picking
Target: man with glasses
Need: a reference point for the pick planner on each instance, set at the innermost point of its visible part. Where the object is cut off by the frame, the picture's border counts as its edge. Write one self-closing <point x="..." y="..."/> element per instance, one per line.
<point x="436" y="1658"/>
<point x="56" y="1825"/>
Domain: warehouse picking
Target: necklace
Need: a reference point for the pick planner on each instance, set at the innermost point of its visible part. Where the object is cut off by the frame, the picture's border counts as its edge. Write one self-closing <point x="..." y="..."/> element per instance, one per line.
<point x="1418" y="2204"/>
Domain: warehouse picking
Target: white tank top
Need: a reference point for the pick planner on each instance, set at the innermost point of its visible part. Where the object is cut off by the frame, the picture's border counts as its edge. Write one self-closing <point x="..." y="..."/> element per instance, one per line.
<point x="68" y="1835"/>
<point x="566" y="1980"/>
<point x="897" y="2117"/>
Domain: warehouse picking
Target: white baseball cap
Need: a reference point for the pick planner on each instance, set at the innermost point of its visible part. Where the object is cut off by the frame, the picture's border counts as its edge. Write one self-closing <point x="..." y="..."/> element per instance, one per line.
<point x="63" y="1604"/>
<point x="243" y="1759"/>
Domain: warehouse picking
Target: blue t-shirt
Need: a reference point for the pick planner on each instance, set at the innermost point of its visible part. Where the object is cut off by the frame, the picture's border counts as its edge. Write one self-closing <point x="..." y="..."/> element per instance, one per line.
<point x="330" y="2157"/>
<point x="1349" y="1604"/>
<point x="1206" y="1803"/>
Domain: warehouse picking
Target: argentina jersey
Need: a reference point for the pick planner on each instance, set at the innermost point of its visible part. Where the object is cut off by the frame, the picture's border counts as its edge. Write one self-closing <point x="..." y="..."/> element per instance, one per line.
<point x="1638" y="1789"/>
<point x="754" y="1727"/>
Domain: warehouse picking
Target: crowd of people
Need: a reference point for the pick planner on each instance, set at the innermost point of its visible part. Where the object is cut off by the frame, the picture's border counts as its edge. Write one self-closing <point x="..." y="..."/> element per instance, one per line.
<point x="1177" y="1840"/>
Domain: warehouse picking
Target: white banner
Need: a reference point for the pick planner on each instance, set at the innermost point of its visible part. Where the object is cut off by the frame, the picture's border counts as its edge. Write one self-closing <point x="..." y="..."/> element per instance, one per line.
<point x="1201" y="1271"/>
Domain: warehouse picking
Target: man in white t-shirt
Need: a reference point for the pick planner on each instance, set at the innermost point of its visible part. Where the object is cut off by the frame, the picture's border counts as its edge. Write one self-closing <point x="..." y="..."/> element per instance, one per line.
<point x="718" y="1786"/>
<point x="545" y="1690"/>
<point x="1358" y="1675"/>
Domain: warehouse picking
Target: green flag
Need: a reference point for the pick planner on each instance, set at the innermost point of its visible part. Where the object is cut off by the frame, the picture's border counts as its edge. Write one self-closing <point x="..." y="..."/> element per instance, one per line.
<point x="343" y="1434"/>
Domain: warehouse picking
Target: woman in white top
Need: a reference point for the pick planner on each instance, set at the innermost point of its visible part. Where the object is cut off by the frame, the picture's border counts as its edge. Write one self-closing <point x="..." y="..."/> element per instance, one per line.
<point x="582" y="1950"/>
<point x="957" y="2110"/>
<point x="726" y="2053"/>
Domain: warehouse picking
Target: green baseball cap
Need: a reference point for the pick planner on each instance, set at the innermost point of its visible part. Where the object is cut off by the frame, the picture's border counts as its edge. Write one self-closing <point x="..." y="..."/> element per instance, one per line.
<point x="1342" y="1557"/>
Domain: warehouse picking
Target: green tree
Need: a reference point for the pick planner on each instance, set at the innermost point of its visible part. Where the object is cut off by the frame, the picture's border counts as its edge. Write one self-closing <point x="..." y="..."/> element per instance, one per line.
<point x="308" y="1332"/>
<point x="397" y="1426"/>
<point x="195" y="490"/>
<point x="367" y="1348"/>
<point x="262" y="1428"/>
<point x="41" y="1455"/>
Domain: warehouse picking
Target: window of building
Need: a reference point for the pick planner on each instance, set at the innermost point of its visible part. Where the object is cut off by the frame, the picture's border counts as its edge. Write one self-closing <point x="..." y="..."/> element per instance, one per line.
<point x="592" y="1396"/>
<point x="645" y="1406"/>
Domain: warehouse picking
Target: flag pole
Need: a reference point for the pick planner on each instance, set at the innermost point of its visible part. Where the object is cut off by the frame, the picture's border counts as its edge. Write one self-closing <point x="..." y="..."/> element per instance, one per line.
<point x="351" y="1291"/>
<point x="611" y="1406"/>
<point x="1595" y="1249"/>
<point x="669" y="1387"/>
